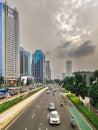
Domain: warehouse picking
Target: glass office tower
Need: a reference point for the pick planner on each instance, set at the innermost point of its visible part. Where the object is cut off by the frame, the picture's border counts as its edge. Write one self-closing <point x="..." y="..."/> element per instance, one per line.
<point x="38" y="66"/>
<point x="25" y="67"/>
<point x="9" y="42"/>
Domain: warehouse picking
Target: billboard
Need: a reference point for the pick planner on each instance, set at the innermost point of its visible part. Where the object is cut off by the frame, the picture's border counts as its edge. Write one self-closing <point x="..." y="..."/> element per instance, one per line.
<point x="24" y="80"/>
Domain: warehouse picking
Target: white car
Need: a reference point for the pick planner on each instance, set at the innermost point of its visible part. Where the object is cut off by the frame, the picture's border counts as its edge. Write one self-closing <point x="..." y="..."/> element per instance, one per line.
<point x="51" y="106"/>
<point x="54" y="117"/>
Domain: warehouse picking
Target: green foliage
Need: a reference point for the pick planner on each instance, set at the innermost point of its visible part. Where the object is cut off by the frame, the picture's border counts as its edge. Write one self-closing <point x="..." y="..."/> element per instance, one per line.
<point x="9" y="104"/>
<point x="76" y="85"/>
<point x="96" y="73"/>
<point x="93" y="89"/>
<point x="92" y="79"/>
<point x="28" y="81"/>
<point x="1" y="80"/>
<point x="65" y="91"/>
<point x="93" y="93"/>
<point x="57" y="81"/>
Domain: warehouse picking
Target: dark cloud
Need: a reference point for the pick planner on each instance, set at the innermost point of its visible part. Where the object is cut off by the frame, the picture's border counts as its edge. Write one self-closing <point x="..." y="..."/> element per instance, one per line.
<point x="83" y="50"/>
<point x="61" y="51"/>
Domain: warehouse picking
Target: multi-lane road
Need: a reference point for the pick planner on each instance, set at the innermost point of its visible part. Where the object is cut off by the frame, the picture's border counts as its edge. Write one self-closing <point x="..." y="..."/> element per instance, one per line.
<point x="35" y="117"/>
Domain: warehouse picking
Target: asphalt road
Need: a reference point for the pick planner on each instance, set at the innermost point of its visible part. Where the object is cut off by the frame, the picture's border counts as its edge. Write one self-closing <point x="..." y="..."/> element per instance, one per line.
<point x="35" y="117"/>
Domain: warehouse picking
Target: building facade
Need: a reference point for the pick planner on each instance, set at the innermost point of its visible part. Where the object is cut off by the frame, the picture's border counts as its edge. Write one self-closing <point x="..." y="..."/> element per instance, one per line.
<point x="68" y="68"/>
<point x="38" y="64"/>
<point x="9" y="42"/>
<point x="25" y="67"/>
<point x="63" y="75"/>
<point x="48" y="70"/>
<point x="87" y="75"/>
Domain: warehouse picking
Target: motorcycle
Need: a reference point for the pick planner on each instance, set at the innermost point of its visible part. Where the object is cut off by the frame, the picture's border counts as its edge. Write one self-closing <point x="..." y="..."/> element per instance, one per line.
<point x="61" y="104"/>
<point x="73" y="124"/>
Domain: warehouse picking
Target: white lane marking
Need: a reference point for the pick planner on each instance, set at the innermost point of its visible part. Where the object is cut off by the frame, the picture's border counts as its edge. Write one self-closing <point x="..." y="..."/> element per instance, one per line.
<point x="41" y="101"/>
<point x="41" y="123"/>
<point x="33" y="115"/>
<point x="26" y="128"/>
<point x="38" y="106"/>
<point x="46" y="128"/>
<point x="48" y="116"/>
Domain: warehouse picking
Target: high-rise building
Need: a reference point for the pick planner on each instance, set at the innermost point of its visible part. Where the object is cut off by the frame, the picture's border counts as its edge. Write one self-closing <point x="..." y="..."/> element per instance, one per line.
<point x="68" y="68"/>
<point x="25" y="68"/>
<point x="48" y="70"/>
<point x="9" y="42"/>
<point x="38" y="64"/>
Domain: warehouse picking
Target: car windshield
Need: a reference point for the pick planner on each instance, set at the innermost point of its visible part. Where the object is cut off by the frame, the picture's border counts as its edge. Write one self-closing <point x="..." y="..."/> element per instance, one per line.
<point x="51" y="105"/>
<point x="54" y="115"/>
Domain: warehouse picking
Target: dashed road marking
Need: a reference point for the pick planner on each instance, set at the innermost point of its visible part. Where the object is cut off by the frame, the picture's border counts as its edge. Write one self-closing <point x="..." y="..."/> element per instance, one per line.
<point x="33" y="115"/>
<point x="38" y="106"/>
<point x="48" y="116"/>
<point x="26" y="128"/>
<point x="41" y="101"/>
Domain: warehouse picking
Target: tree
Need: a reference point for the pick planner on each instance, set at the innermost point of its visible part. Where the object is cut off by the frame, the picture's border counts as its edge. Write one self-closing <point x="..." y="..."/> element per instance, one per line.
<point x="57" y="81"/>
<point x="96" y="75"/>
<point x="93" y="89"/>
<point x="80" y="88"/>
<point x="93" y="94"/>
<point x="1" y="80"/>
<point x="92" y="79"/>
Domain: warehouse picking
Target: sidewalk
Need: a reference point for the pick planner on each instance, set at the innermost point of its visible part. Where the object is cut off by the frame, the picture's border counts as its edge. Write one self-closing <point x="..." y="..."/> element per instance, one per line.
<point x="7" y="116"/>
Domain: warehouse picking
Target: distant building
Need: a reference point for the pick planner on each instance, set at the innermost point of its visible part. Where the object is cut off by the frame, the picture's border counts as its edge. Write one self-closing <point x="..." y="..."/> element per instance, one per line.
<point x="48" y="70"/>
<point x="68" y="68"/>
<point x="25" y="67"/>
<point x="38" y="66"/>
<point x="9" y="42"/>
<point x="87" y="74"/>
<point x="63" y="75"/>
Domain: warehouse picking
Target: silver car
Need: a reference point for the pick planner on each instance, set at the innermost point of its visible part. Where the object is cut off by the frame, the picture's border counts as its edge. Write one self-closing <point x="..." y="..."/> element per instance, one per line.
<point x="51" y="106"/>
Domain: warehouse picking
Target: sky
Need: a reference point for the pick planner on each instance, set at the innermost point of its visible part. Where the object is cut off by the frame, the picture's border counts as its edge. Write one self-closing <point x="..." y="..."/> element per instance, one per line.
<point x="62" y="29"/>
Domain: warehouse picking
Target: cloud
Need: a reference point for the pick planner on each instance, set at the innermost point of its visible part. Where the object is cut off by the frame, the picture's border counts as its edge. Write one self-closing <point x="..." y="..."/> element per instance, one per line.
<point x="59" y="28"/>
<point x="82" y="50"/>
<point x="61" y="51"/>
<point x="47" y="53"/>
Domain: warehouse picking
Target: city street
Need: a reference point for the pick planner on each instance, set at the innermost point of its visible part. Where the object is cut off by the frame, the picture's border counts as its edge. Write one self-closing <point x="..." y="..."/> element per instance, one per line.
<point x="35" y="117"/>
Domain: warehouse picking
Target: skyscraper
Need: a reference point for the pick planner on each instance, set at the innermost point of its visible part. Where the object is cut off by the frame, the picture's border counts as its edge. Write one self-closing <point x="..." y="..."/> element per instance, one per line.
<point x="9" y="42"/>
<point x="68" y="68"/>
<point x="48" y="70"/>
<point x="25" y="66"/>
<point x="38" y="63"/>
